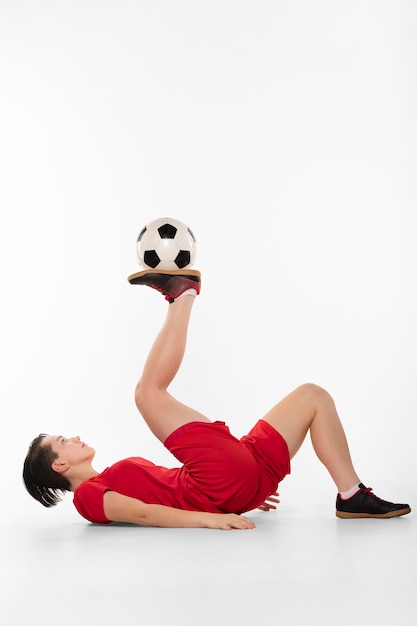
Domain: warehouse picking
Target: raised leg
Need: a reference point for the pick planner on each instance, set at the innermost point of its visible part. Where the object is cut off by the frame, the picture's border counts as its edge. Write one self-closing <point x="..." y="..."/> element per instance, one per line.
<point x="161" y="411"/>
<point x="311" y="408"/>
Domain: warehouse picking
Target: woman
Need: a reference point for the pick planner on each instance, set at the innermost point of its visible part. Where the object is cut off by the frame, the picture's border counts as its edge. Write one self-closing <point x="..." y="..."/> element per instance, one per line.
<point x="220" y="477"/>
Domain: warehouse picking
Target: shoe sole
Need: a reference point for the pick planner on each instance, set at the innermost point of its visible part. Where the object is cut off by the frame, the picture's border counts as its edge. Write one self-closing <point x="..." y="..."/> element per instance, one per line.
<point x="344" y="515"/>
<point x="193" y="274"/>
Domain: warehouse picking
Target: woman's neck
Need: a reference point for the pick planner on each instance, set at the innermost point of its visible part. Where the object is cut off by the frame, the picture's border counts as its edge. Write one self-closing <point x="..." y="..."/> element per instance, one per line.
<point x="81" y="476"/>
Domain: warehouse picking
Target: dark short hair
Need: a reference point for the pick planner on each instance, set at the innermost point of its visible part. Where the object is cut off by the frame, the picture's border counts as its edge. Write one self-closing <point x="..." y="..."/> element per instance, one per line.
<point x="41" y="481"/>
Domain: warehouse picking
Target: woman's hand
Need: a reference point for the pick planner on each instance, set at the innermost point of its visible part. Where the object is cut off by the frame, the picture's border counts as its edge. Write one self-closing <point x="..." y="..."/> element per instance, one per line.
<point x="227" y="521"/>
<point x="270" y="502"/>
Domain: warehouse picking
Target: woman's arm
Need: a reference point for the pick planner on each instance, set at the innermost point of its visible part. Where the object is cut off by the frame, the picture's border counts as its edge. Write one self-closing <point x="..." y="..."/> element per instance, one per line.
<point x="118" y="508"/>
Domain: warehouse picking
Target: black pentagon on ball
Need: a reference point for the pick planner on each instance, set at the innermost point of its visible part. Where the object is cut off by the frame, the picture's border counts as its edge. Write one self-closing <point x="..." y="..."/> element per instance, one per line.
<point x="183" y="258"/>
<point x="167" y="231"/>
<point x="151" y="259"/>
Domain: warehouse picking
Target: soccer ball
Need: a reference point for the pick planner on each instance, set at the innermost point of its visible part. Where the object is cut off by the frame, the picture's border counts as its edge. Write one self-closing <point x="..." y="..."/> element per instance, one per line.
<point x="166" y="244"/>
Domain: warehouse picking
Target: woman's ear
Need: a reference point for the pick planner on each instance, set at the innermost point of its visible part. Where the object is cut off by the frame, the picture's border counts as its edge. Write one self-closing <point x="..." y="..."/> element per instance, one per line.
<point x="59" y="466"/>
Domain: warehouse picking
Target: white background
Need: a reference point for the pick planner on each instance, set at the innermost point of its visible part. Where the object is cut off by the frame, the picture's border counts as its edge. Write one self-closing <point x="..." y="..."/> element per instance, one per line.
<point x="284" y="134"/>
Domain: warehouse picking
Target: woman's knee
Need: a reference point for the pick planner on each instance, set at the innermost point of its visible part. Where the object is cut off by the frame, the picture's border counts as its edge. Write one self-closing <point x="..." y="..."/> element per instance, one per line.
<point x="143" y="396"/>
<point x="314" y="394"/>
<point x="149" y="397"/>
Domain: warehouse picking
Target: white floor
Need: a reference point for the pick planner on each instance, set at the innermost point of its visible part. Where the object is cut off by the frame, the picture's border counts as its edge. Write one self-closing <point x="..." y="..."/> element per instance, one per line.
<point x="56" y="568"/>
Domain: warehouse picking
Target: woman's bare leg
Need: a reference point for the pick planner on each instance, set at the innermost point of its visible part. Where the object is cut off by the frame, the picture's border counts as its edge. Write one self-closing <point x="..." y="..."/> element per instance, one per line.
<point x="163" y="413"/>
<point x="311" y="408"/>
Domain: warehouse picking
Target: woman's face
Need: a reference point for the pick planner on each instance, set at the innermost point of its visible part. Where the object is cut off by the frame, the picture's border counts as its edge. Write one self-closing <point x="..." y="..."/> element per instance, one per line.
<point x="71" y="451"/>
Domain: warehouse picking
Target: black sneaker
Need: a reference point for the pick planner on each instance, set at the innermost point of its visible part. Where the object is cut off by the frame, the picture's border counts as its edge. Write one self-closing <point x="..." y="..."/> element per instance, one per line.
<point x="171" y="283"/>
<point x="366" y="504"/>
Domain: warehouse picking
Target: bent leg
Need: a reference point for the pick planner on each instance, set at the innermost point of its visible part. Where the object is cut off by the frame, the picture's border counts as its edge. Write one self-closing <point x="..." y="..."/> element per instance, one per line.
<point x="161" y="411"/>
<point x="311" y="408"/>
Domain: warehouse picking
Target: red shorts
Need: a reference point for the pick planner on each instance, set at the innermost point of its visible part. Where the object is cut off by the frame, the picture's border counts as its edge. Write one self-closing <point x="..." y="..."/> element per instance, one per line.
<point x="227" y="474"/>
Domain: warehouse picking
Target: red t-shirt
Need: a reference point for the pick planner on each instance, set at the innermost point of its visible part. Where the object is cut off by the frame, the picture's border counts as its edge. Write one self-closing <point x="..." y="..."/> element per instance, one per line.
<point x="138" y="478"/>
<point x="219" y="473"/>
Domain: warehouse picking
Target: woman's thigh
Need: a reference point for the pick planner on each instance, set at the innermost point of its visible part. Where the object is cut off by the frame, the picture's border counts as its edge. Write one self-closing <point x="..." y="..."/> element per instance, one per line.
<point x="293" y="416"/>
<point x="163" y="413"/>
